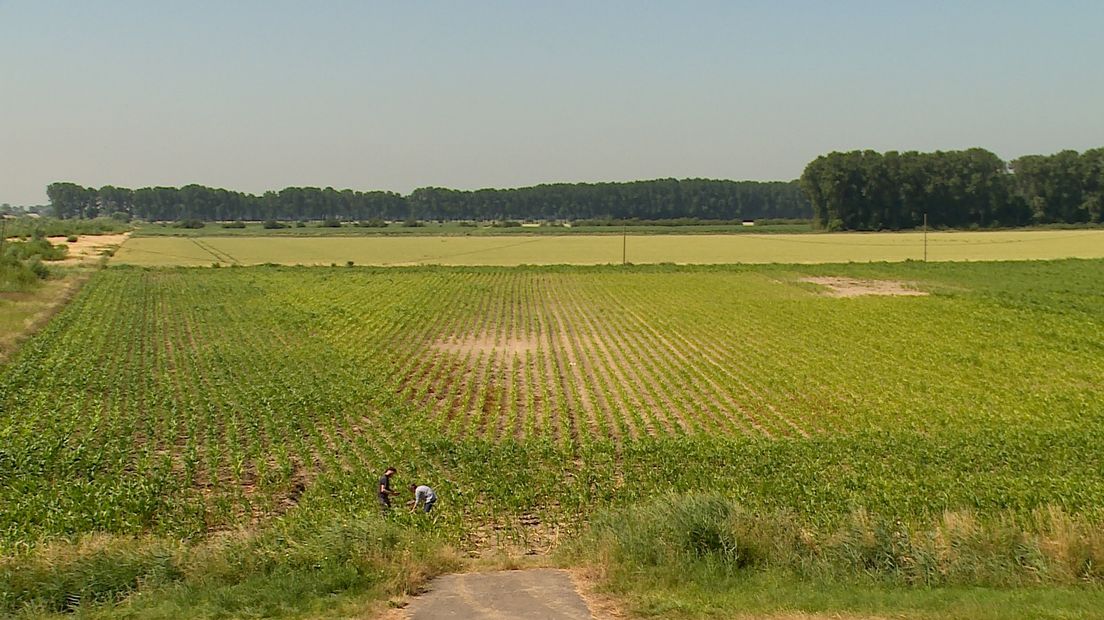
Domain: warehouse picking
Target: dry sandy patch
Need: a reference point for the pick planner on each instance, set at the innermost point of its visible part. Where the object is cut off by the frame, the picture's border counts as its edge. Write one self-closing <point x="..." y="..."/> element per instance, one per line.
<point x="853" y="287"/>
<point x="487" y="343"/>
<point x="87" y="248"/>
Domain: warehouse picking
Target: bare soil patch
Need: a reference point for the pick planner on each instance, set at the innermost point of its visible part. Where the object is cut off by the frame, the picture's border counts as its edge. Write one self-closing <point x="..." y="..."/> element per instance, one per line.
<point x="487" y="343"/>
<point x="853" y="287"/>
<point x="88" y="248"/>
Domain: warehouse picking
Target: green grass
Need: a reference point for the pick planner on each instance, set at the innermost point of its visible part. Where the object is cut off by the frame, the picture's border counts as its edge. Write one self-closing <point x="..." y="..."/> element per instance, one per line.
<point x="340" y="565"/>
<point x="765" y="595"/>
<point x="179" y="404"/>
<point x="709" y="555"/>
<point x="589" y="249"/>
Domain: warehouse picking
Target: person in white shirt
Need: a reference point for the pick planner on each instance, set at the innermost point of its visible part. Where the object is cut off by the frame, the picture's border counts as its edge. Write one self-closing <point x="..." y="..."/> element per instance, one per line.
<point x="422" y="495"/>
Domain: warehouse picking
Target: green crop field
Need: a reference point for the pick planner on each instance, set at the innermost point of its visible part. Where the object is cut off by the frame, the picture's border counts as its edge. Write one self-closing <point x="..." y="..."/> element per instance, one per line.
<point x="179" y="403"/>
<point x="188" y="398"/>
<point x="581" y="249"/>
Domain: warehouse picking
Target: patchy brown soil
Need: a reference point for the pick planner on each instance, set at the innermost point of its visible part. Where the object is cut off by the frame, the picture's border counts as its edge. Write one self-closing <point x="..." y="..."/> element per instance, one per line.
<point x="602" y="606"/>
<point x="87" y="248"/>
<point x="487" y="343"/>
<point x="852" y="287"/>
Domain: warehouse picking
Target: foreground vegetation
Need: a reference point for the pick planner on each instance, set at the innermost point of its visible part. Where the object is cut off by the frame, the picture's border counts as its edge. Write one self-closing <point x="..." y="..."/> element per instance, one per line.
<point x="708" y="555"/>
<point x="209" y="438"/>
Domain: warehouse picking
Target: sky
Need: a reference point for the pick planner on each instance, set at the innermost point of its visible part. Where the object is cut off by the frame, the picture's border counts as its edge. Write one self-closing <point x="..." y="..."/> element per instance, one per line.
<point x="256" y="95"/>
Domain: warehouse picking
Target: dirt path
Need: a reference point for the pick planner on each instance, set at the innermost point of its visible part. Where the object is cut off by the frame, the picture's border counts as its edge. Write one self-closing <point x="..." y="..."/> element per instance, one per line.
<point x="545" y="593"/>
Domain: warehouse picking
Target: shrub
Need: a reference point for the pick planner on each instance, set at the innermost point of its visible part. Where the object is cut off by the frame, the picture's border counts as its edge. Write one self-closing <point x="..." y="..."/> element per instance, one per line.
<point x="274" y="225"/>
<point x="411" y="222"/>
<point x="16" y="275"/>
<point x="53" y="227"/>
<point x="190" y="223"/>
<point x="71" y="239"/>
<point x="40" y="270"/>
<point x="330" y="223"/>
<point x="234" y="224"/>
<point x="374" y="222"/>
<point x="37" y="247"/>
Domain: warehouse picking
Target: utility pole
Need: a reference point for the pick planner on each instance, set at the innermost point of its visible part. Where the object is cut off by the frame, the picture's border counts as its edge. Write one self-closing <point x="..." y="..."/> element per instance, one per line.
<point x="925" y="237"/>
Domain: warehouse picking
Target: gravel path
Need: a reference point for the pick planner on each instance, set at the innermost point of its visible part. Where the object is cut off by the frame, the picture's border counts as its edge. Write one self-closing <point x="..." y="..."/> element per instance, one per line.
<point x="544" y="593"/>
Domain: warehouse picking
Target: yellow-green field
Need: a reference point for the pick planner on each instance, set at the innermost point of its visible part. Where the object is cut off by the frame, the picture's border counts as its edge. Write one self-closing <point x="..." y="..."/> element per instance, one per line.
<point x="602" y="249"/>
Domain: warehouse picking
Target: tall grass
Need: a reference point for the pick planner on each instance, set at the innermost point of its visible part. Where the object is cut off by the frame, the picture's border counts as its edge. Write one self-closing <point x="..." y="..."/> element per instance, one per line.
<point x="691" y="532"/>
<point x="286" y="567"/>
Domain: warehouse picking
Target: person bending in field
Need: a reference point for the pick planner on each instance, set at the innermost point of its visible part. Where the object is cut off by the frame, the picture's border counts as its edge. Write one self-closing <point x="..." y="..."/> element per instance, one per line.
<point x="422" y="495"/>
<point x="385" y="491"/>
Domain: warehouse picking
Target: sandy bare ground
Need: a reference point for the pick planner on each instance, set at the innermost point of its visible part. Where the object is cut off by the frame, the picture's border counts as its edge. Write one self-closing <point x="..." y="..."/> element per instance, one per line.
<point x="851" y="287"/>
<point x="486" y="343"/>
<point x="87" y="248"/>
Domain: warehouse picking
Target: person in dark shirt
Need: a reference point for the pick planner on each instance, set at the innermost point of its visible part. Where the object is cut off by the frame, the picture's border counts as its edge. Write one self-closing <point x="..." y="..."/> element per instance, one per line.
<point x="385" y="491"/>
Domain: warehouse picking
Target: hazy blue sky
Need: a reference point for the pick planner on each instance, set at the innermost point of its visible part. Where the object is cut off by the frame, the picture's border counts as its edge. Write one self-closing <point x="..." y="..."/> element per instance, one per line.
<point x="396" y="95"/>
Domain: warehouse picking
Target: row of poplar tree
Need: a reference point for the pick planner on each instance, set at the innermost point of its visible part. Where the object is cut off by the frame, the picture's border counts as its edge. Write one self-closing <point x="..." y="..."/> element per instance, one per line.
<point x="867" y="190"/>
<point x="857" y="190"/>
<point x="659" y="199"/>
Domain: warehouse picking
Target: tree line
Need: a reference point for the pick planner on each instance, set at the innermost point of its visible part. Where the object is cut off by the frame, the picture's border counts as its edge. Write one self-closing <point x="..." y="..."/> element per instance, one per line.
<point x="197" y="202"/>
<point x="868" y="190"/>
<point x="658" y="199"/>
